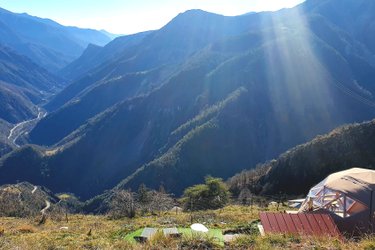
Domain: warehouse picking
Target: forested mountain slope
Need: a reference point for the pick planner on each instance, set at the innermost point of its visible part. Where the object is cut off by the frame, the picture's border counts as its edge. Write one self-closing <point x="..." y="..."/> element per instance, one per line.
<point x="23" y="84"/>
<point x="298" y="169"/>
<point x="179" y="106"/>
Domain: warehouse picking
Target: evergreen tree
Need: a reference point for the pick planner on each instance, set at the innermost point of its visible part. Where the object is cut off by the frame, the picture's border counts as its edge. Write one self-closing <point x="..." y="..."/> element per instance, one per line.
<point x="142" y="193"/>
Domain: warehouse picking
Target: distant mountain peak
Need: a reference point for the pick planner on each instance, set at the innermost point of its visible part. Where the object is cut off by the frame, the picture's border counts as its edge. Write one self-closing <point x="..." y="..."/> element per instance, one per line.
<point x="197" y="12"/>
<point x="48" y="43"/>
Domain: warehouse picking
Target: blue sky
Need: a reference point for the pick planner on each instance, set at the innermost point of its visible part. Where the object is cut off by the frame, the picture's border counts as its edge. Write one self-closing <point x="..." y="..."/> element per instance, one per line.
<point x="130" y="16"/>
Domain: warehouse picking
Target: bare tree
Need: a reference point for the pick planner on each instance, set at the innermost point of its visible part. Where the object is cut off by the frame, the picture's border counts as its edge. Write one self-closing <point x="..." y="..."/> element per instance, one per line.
<point x="160" y="201"/>
<point x="122" y="204"/>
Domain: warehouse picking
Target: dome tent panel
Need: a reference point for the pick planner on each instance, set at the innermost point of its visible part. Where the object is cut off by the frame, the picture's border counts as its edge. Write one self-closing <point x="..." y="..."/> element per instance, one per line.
<point x="355" y="188"/>
<point x="348" y="195"/>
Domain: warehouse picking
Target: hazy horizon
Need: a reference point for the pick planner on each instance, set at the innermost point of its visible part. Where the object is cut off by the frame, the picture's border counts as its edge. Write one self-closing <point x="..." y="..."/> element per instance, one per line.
<point x="126" y="17"/>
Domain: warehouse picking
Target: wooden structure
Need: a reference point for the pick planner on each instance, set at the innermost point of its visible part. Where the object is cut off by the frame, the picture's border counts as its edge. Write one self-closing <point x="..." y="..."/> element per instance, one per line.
<point x="172" y="232"/>
<point x="146" y="235"/>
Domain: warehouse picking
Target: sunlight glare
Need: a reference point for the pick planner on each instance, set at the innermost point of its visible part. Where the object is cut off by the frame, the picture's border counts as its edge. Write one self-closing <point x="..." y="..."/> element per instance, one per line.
<point x="299" y="83"/>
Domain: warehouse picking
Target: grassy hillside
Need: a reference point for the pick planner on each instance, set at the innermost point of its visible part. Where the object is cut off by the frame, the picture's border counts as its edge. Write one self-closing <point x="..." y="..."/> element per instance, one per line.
<point x="86" y="231"/>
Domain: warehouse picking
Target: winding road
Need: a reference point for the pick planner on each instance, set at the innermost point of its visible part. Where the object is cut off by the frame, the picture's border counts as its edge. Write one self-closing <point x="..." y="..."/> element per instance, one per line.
<point x="35" y="188"/>
<point x="24" y="127"/>
<point x="48" y="204"/>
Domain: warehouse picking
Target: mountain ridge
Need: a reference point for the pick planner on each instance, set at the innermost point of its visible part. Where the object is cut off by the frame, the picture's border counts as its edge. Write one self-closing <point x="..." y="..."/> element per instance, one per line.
<point x="191" y="105"/>
<point x="46" y="42"/>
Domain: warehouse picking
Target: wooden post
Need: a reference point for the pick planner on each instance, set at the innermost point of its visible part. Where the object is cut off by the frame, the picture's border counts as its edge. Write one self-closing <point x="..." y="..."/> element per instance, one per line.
<point x="344" y="206"/>
<point x="191" y="210"/>
<point x="370" y="217"/>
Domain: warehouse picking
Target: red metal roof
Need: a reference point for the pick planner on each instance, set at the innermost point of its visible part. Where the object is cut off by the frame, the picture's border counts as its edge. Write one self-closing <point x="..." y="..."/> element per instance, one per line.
<point x="303" y="223"/>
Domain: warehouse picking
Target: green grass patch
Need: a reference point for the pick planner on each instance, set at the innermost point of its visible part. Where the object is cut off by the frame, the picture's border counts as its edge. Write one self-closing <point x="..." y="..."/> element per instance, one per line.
<point x="214" y="233"/>
<point x="186" y="232"/>
<point x="130" y="237"/>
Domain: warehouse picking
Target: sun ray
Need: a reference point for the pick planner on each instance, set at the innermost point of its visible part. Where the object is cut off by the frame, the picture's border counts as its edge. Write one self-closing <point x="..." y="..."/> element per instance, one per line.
<point x="299" y="84"/>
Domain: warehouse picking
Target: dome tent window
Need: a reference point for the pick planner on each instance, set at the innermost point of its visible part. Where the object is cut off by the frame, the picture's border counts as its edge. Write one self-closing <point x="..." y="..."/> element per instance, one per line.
<point x="321" y="197"/>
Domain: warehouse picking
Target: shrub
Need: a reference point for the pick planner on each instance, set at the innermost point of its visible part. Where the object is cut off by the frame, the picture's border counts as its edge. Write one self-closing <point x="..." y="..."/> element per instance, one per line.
<point x="213" y="194"/>
<point x="152" y="200"/>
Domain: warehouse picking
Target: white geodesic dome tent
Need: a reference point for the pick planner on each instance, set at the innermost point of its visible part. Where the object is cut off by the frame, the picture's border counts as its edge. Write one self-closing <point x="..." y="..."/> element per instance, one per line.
<point x="347" y="195"/>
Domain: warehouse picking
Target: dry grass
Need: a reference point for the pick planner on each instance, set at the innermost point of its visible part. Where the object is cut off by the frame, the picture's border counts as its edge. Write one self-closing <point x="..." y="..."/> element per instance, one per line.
<point x="24" y="234"/>
<point x="24" y="229"/>
<point x="109" y="234"/>
<point x="279" y="241"/>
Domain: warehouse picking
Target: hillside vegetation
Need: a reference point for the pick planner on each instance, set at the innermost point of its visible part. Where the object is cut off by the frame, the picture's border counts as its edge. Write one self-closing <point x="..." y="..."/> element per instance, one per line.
<point x="298" y="169"/>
